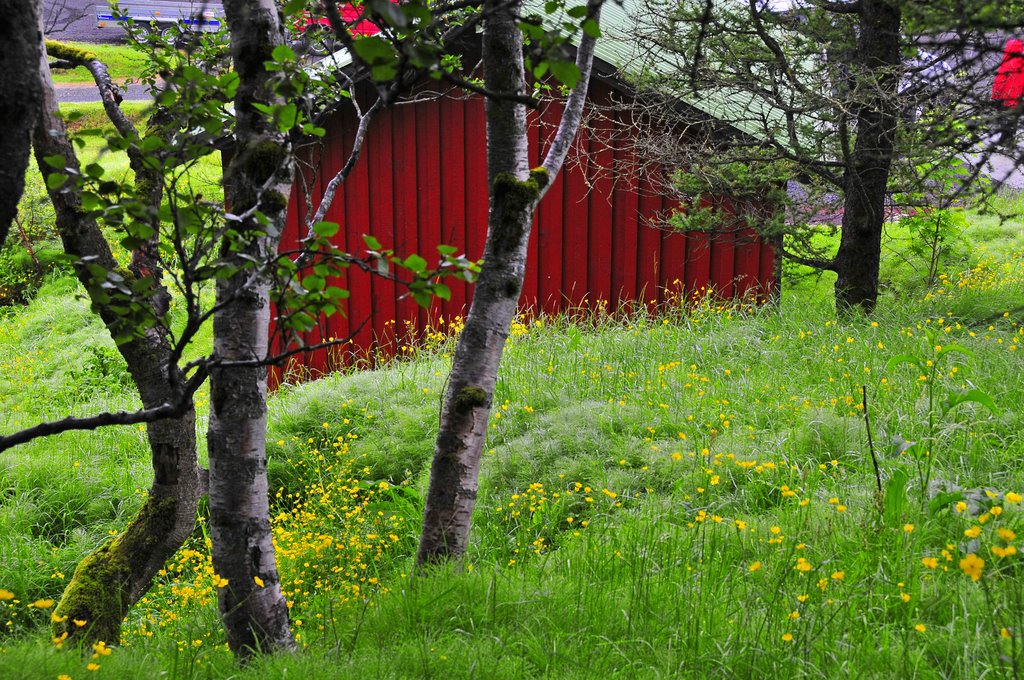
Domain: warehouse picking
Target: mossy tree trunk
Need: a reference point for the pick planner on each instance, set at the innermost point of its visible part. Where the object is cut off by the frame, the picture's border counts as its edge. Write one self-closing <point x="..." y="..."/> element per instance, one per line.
<point x="259" y="179"/>
<point x="19" y="83"/>
<point x="515" y="191"/>
<point x="109" y="581"/>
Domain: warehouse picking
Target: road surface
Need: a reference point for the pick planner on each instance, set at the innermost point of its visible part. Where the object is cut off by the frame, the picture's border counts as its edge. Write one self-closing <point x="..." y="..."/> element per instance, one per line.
<point x="76" y="20"/>
<point x="87" y="92"/>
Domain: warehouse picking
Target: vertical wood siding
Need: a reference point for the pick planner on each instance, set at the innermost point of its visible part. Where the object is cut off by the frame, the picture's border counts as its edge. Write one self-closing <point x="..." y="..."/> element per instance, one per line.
<point x="421" y="182"/>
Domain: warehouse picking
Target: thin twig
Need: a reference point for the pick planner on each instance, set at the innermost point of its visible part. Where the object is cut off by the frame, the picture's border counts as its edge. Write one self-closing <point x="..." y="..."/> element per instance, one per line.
<point x="871" y="443"/>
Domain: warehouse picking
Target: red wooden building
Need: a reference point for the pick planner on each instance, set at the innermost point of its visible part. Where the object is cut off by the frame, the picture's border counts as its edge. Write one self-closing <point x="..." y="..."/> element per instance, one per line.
<point x="599" y="236"/>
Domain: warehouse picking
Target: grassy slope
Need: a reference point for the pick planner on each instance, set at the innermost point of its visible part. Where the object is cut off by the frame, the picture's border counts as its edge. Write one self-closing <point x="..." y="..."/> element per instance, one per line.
<point x="663" y="497"/>
<point x="122" y="62"/>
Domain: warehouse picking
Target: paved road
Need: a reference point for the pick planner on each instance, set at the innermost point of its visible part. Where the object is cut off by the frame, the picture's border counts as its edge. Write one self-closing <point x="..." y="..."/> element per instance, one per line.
<point x="87" y="92"/>
<point x="76" y="20"/>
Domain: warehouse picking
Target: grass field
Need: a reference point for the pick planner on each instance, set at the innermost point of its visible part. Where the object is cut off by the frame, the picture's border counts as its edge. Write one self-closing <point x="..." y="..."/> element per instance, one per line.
<point x="690" y="494"/>
<point x="123" y="63"/>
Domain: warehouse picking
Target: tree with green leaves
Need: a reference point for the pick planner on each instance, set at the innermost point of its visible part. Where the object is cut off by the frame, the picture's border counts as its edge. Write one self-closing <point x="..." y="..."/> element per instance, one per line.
<point x="515" y="190"/>
<point x="861" y="100"/>
<point x="182" y="243"/>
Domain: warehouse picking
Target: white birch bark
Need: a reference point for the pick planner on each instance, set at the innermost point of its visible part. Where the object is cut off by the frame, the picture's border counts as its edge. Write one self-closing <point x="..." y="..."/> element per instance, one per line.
<point x="252" y="605"/>
<point x="515" y="191"/>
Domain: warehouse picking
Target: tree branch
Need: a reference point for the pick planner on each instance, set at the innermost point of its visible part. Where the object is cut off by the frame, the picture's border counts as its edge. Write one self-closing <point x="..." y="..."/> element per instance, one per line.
<point x="94" y="422"/>
<point x="573" y="112"/>
<point x="332" y="186"/>
<point x="470" y="86"/>
<point x="109" y="94"/>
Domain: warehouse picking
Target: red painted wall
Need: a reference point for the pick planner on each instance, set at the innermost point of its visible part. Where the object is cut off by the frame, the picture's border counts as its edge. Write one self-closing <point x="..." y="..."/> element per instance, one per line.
<point x="421" y="182"/>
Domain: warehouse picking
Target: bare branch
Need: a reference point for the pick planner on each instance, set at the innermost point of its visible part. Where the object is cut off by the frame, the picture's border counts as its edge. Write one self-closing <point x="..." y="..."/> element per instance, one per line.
<point x="332" y="186"/>
<point x="573" y="111"/>
<point x="470" y="86"/>
<point x="69" y="424"/>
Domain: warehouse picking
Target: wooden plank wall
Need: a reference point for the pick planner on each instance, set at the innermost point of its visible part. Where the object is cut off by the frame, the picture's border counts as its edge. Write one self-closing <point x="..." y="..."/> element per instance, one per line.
<point x="421" y="182"/>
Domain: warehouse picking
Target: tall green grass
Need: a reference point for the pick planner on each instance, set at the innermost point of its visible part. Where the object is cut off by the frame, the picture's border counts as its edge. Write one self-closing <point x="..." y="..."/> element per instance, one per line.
<point x="683" y="495"/>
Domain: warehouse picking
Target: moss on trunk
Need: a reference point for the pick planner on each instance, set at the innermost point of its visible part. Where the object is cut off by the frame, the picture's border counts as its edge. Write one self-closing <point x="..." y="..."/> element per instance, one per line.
<point x="102" y="589"/>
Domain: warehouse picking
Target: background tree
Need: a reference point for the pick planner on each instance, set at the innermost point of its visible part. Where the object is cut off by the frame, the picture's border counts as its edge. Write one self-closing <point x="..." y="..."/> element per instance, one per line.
<point x="864" y="99"/>
<point x="19" y="81"/>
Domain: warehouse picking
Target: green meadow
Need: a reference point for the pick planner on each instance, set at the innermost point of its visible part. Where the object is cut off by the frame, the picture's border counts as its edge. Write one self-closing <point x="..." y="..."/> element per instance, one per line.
<point x="713" y="489"/>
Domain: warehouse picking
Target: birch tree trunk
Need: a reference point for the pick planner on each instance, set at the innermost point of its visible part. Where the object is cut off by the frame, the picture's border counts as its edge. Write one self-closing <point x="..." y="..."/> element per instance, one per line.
<point x="515" y="191"/>
<point x="20" y="37"/>
<point x="110" y="580"/>
<point x="867" y="173"/>
<point x="252" y="605"/>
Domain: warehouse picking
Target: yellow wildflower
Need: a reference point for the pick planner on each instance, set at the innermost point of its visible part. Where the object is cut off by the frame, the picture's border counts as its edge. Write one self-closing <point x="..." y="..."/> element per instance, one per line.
<point x="972" y="565"/>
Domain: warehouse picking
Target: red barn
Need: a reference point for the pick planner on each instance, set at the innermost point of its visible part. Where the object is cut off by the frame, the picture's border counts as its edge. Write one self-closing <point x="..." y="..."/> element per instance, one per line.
<point x="599" y="237"/>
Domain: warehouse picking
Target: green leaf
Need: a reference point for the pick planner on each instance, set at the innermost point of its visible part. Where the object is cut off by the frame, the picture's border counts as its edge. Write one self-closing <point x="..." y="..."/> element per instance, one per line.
<point x="315" y="131"/>
<point x="895" y="499"/>
<point x="55" y="180"/>
<point x="591" y="28"/>
<point x="442" y="291"/>
<point x="371" y="242"/>
<point x="903" y="359"/>
<point x="336" y="293"/>
<point x="229" y="81"/>
<point x="415" y="264"/>
<point x="566" y="72"/>
<point x="286" y="117"/>
<point x="167" y="97"/>
<point x="943" y="500"/>
<point x="577" y="12"/>
<point x="375" y="51"/>
<point x="313" y="282"/>
<point x="383" y="73"/>
<point x="294" y="7"/>
<point x="283" y="53"/>
<point x="959" y="349"/>
<point x="91" y="201"/>
<point x="56" y="162"/>
<point x="973" y="395"/>
<point x="447" y="250"/>
<point x="151" y="143"/>
<point x="422" y="298"/>
<point x="325" y="229"/>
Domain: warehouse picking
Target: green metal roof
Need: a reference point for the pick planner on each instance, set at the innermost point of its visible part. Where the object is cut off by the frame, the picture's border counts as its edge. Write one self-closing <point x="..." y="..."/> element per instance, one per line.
<point x="621" y="47"/>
